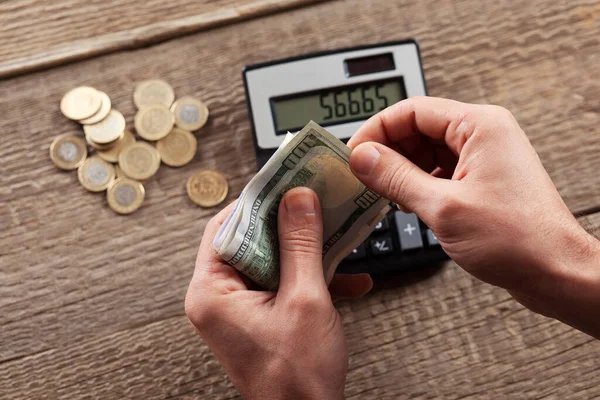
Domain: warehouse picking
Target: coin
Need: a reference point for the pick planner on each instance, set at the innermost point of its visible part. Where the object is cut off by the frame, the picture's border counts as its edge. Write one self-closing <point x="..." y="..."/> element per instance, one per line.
<point x="154" y="122"/>
<point x="207" y="188"/>
<point x="154" y="91"/>
<point x="68" y="152"/>
<point x="125" y="195"/>
<point x="80" y="103"/>
<point x="177" y="148"/>
<point x="119" y="172"/>
<point x="95" y="174"/>
<point x="108" y="130"/>
<point x="139" y="161"/>
<point x="112" y="154"/>
<point x="105" y="108"/>
<point x="190" y="114"/>
<point x="101" y="147"/>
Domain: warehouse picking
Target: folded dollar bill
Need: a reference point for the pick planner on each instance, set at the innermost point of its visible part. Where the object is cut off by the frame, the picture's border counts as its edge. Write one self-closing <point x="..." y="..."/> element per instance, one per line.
<point x="314" y="158"/>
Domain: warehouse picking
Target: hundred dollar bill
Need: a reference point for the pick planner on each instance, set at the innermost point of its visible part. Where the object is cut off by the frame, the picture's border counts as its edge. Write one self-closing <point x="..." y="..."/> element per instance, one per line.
<point x="314" y="158"/>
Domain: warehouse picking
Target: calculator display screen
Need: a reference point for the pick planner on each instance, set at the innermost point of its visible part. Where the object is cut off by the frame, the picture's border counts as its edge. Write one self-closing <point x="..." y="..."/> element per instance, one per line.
<point x="335" y="105"/>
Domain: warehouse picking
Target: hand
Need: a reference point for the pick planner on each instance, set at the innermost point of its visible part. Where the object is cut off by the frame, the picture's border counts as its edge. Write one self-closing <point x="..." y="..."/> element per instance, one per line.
<point x="497" y="213"/>
<point x="288" y="344"/>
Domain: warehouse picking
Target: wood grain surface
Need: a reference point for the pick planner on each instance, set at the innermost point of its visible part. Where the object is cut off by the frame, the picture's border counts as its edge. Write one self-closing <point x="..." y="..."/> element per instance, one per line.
<point x="91" y="303"/>
<point x="37" y="34"/>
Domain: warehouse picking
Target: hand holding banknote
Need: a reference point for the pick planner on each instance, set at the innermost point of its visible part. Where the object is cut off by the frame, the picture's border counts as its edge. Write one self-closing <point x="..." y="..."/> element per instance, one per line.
<point x="288" y="344"/>
<point x="313" y="158"/>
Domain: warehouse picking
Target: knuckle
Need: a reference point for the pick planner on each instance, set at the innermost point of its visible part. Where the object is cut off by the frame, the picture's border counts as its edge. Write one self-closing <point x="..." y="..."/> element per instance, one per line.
<point x="502" y="112"/>
<point x="395" y="180"/>
<point x="306" y="302"/>
<point x="198" y="310"/>
<point x="451" y="207"/>
<point x="300" y="239"/>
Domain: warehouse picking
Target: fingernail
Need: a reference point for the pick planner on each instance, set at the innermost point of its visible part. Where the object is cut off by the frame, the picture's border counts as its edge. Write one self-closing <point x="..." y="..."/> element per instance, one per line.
<point x="299" y="203"/>
<point x="364" y="158"/>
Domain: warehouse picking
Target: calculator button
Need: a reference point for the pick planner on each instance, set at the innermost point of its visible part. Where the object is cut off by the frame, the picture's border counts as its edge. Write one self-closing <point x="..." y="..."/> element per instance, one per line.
<point x="382" y="226"/>
<point x="382" y="246"/>
<point x="408" y="230"/>
<point x="357" y="253"/>
<point x="432" y="239"/>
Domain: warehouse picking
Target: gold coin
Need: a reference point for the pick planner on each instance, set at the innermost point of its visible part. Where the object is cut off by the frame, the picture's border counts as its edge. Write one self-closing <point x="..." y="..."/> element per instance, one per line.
<point x="95" y="174"/>
<point x="80" y="103"/>
<point x="177" y="148"/>
<point x="207" y="188"/>
<point x="139" y="161"/>
<point x="68" y="152"/>
<point x="101" y="147"/>
<point x="190" y="114"/>
<point x="112" y="155"/>
<point x="153" y="91"/>
<point x="154" y="122"/>
<point x="125" y="195"/>
<point x="105" y="108"/>
<point x="108" y="130"/>
<point x="119" y="172"/>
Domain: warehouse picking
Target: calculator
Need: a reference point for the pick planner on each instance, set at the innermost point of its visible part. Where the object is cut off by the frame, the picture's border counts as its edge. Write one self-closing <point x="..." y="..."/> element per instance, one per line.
<point x="340" y="89"/>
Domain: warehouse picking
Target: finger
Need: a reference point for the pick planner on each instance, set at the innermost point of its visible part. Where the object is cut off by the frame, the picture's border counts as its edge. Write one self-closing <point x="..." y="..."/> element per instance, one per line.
<point x="392" y="176"/>
<point x="350" y="286"/>
<point x="210" y="269"/>
<point x="300" y="230"/>
<point x="438" y="119"/>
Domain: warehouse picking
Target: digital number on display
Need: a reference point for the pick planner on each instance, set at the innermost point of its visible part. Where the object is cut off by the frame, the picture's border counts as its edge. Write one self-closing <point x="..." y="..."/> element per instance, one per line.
<point x="335" y="105"/>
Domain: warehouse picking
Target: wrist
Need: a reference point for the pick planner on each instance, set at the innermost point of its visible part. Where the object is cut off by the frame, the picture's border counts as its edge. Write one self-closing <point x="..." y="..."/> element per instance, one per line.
<point x="291" y="382"/>
<point x="569" y="285"/>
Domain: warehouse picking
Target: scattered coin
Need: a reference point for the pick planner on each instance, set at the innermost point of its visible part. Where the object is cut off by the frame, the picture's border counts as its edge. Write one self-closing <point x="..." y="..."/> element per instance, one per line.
<point x="154" y="91"/>
<point x="95" y="174"/>
<point x="105" y="108"/>
<point x="207" y="188"/>
<point x="159" y="120"/>
<point x="68" y="152"/>
<point x="177" y="148"/>
<point x="190" y="114"/>
<point x="108" y="130"/>
<point x="154" y="122"/>
<point x="112" y="155"/>
<point x="80" y="103"/>
<point x="139" y="161"/>
<point x="125" y="195"/>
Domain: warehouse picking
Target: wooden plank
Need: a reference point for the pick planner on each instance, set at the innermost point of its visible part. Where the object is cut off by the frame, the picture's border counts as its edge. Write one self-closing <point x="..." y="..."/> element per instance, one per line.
<point x="92" y="303"/>
<point x="439" y="334"/>
<point x="35" y="35"/>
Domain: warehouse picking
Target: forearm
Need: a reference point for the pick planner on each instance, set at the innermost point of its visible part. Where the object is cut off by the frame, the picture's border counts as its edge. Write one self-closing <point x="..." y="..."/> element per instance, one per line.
<point x="570" y="289"/>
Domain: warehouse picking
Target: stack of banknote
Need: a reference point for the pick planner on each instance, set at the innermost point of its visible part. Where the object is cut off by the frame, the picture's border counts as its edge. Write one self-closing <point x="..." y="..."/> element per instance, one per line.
<point x="314" y="158"/>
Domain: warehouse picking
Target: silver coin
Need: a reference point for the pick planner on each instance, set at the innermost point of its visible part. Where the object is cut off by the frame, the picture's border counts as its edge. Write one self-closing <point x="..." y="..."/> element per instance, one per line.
<point x="125" y="195"/>
<point x="97" y="174"/>
<point x="68" y="151"/>
<point x="189" y="113"/>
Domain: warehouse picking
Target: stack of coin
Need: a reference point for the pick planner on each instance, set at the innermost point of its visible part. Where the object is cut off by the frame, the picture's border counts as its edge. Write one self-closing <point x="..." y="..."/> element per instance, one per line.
<point x="164" y="122"/>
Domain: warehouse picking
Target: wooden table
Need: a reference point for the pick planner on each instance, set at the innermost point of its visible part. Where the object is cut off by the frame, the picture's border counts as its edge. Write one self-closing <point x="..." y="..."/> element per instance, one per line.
<point x="91" y="303"/>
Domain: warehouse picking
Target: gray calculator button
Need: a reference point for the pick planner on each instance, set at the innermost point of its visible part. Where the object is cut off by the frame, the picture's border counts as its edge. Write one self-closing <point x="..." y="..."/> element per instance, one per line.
<point x="382" y="246"/>
<point x="408" y="231"/>
<point x="432" y="239"/>
<point x="382" y="226"/>
<point x="357" y="253"/>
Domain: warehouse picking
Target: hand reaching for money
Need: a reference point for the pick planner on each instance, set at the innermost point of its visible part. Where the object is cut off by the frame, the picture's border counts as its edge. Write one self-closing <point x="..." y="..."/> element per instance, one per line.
<point x="498" y="214"/>
<point x="288" y="344"/>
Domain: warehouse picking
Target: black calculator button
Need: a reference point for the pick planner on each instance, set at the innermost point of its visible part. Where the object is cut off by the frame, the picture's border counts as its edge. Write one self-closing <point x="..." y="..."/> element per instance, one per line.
<point x="382" y="246"/>
<point x="408" y="231"/>
<point x="357" y="253"/>
<point x="432" y="240"/>
<point x="382" y="226"/>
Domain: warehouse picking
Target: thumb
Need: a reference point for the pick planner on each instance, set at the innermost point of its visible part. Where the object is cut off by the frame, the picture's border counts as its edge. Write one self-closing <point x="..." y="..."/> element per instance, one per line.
<point x="396" y="178"/>
<point x="300" y="230"/>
